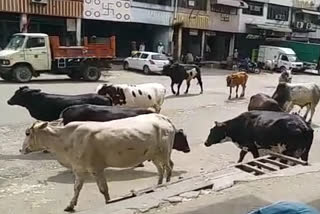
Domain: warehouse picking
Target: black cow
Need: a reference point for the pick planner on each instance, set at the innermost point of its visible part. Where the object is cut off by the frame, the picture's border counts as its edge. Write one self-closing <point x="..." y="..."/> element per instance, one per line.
<point x="179" y="72"/>
<point x="263" y="102"/>
<point x="100" y="113"/>
<point x="48" y="107"/>
<point x="255" y="130"/>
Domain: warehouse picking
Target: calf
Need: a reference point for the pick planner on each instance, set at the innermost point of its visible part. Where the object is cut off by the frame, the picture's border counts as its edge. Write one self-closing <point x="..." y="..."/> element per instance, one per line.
<point x="263" y="102"/>
<point x="265" y="130"/>
<point x="48" y="107"/>
<point x="138" y="96"/>
<point x="90" y="147"/>
<point x="301" y="94"/>
<point x="235" y="80"/>
<point x="178" y="73"/>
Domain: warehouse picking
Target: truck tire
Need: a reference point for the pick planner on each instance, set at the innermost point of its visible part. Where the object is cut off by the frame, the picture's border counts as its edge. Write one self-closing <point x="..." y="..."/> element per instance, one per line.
<point x="91" y="74"/>
<point x="22" y="74"/>
<point x="75" y="75"/>
<point x="6" y="77"/>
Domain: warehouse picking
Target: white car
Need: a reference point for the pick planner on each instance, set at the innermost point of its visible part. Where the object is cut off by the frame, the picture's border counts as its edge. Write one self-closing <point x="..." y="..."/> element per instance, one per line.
<point x="148" y="62"/>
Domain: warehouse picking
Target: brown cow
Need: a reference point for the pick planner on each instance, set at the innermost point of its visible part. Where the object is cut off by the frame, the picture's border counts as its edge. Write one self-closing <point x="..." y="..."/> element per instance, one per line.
<point x="235" y="80"/>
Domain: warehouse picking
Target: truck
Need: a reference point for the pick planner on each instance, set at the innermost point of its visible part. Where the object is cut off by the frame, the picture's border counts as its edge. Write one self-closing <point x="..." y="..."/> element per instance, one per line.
<point x="278" y="58"/>
<point x="28" y="55"/>
<point x="308" y="53"/>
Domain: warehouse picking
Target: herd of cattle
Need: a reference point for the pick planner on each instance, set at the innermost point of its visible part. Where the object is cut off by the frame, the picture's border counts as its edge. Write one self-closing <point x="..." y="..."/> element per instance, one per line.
<point x="121" y="125"/>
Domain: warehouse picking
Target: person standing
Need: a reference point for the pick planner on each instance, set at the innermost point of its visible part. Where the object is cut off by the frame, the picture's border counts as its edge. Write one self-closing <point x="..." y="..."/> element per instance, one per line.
<point x="142" y="47"/>
<point x="133" y="48"/>
<point x="160" y="48"/>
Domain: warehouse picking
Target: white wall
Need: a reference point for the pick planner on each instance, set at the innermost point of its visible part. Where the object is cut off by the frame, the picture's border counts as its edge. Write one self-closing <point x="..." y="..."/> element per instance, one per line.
<point x="217" y="25"/>
<point x="262" y="20"/>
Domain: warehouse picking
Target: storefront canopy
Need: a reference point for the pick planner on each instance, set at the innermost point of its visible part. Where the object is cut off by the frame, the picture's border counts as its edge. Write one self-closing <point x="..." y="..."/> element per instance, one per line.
<point x="312" y="12"/>
<point x="232" y="3"/>
<point x="273" y="28"/>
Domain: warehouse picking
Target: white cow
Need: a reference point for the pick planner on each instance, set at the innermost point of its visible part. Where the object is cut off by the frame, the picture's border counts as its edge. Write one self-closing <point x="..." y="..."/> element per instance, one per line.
<point x="140" y="96"/>
<point x="90" y="147"/>
<point x="301" y="94"/>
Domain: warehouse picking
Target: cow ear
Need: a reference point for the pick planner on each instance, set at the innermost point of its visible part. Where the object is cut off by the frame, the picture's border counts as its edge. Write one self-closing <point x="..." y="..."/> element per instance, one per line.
<point x="41" y="125"/>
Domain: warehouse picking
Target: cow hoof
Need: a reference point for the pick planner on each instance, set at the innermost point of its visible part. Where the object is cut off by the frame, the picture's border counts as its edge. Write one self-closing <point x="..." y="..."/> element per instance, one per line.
<point x="201" y="92"/>
<point x="229" y="98"/>
<point x="69" y="209"/>
<point x="45" y="151"/>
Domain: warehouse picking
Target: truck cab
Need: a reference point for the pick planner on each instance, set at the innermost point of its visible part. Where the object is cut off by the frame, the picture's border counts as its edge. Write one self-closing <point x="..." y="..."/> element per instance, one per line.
<point x="26" y="55"/>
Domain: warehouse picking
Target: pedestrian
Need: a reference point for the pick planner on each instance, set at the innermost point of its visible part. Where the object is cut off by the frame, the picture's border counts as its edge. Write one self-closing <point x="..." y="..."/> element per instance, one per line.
<point x="133" y="48"/>
<point x="160" y="48"/>
<point x="142" y="47"/>
<point x="189" y="59"/>
<point x="285" y="207"/>
<point x="236" y="55"/>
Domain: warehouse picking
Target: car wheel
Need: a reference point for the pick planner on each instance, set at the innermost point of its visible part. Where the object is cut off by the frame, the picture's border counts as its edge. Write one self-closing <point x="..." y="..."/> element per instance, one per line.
<point x="126" y="66"/>
<point x="22" y="74"/>
<point x="91" y="74"/>
<point x="146" y="69"/>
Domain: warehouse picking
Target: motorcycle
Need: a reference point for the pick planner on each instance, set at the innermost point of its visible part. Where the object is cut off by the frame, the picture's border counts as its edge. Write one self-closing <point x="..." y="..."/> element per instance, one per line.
<point x="248" y="66"/>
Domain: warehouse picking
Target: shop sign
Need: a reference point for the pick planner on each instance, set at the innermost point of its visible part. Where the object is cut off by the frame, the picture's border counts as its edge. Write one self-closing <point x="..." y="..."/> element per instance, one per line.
<point x="193" y="32"/>
<point x="71" y="25"/>
<point x="108" y="10"/>
<point x="252" y="36"/>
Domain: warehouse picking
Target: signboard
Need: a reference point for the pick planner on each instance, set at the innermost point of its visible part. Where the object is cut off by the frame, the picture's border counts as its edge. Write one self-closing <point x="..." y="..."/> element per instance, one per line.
<point x="71" y="25"/>
<point x="148" y="16"/>
<point x="108" y="10"/>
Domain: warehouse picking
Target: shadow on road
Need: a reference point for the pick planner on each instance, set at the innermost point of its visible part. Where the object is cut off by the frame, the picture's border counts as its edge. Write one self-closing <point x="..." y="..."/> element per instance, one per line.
<point x="111" y="175"/>
<point x="50" y="81"/>
<point x="32" y="156"/>
<point x="181" y="96"/>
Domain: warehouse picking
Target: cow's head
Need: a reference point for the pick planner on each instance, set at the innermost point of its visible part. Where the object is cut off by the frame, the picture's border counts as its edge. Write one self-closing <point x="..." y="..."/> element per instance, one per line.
<point x="116" y="93"/>
<point x="31" y="143"/>
<point x="281" y="95"/>
<point x="180" y="142"/>
<point x="20" y="97"/>
<point x="229" y="81"/>
<point x="217" y="134"/>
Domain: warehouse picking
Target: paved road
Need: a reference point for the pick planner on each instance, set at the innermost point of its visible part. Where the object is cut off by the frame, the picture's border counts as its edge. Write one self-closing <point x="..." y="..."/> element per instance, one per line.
<point x="41" y="185"/>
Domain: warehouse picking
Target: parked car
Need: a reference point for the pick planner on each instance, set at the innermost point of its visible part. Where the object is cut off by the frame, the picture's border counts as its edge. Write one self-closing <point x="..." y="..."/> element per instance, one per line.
<point x="148" y="62"/>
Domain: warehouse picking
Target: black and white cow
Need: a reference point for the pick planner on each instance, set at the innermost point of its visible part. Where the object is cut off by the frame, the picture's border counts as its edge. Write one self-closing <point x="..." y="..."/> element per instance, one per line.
<point x="256" y="130"/>
<point x="149" y="95"/>
<point x="301" y="94"/>
<point x="48" y="107"/>
<point x="180" y="72"/>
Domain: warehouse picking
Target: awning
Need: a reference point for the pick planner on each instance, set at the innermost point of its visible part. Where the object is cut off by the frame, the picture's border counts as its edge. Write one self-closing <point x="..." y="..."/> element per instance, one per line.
<point x="232" y="3"/>
<point x="273" y="28"/>
<point x="312" y="12"/>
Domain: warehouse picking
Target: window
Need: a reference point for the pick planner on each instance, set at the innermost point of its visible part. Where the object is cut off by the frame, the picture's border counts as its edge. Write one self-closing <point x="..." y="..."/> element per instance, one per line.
<point x="144" y="56"/>
<point x="195" y="4"/>
<point x="137" y="55"/>
<point x="159" y="57"/>
<point x="160" y="2"/>
<point x="277" y="12"/>
<point x="254" y="8"/>
<point x="35" y="43"/>
<point x="224" y="9"/>
<point x="284" y="58"/>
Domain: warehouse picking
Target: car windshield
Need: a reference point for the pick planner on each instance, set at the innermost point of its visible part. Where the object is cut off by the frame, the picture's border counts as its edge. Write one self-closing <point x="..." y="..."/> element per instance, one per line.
<point x="292" y="58"/>
<point x="15" y="43"/>
<point x="159" y="57"/>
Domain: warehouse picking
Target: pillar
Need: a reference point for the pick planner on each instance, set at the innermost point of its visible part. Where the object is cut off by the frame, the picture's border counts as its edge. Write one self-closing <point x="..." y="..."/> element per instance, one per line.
<point x="203" y="40"/>
<point x="179" y="43"/>
<point x="24" y="23"/>
<point x="78" y="31"/>
<point x="232" y="44"/>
